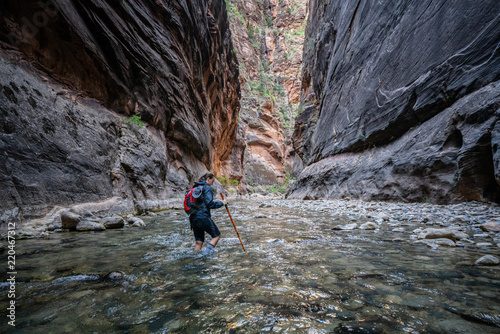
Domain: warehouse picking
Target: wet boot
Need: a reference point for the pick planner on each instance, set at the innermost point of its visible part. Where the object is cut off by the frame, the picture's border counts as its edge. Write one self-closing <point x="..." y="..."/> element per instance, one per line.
<point x="209" y="250"/>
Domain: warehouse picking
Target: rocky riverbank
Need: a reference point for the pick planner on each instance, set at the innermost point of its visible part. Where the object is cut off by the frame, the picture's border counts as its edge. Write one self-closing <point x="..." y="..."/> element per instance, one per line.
<point x="301" y="271"/>
<point x="463" y="225"/>
<point x="92" y="216"/>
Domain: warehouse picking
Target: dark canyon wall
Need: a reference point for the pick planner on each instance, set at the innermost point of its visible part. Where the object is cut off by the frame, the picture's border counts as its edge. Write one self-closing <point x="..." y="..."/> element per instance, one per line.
<point x="401" y="101"/>
<point x="72" y="73"/>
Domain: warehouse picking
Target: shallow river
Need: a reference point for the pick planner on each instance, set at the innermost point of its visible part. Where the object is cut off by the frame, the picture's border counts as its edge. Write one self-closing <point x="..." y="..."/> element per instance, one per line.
<point x="297" y="276"/>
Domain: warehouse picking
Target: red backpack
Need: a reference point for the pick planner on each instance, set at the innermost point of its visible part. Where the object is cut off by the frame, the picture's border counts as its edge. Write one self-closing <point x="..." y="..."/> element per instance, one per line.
<point x="192" y="199"/>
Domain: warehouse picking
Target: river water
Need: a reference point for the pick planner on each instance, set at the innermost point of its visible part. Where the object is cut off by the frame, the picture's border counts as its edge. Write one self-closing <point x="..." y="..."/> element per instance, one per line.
<point x="297" y="275"/>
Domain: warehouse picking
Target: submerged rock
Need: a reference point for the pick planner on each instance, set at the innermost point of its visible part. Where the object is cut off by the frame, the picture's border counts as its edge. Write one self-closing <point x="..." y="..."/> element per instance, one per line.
<point x="434" y="243"/>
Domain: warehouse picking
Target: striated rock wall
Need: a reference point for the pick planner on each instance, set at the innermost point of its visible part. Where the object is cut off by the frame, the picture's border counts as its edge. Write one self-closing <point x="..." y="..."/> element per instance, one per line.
<point x="406" y="95"/>
<point x="72" y="75"/>
<point x="268" y="37"/>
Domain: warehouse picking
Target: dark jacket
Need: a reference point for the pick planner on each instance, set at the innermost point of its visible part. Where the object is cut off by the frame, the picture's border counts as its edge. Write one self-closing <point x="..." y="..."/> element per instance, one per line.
<point x="207" y="202"/>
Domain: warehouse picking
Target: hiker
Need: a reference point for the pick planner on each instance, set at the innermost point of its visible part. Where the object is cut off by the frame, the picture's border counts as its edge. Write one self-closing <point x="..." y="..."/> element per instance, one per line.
<point x="201" y="220"/>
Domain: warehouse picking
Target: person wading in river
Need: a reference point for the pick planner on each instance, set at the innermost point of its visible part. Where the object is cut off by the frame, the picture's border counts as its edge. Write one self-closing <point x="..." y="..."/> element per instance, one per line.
<point x="201" y="220"/>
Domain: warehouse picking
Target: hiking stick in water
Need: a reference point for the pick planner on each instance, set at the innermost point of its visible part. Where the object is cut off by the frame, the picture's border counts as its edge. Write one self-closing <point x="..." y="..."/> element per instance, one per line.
<point x="232" y="221"/>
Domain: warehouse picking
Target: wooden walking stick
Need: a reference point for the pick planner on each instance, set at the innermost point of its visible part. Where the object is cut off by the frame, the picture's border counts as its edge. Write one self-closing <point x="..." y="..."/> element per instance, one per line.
<point x="232" y="221"/>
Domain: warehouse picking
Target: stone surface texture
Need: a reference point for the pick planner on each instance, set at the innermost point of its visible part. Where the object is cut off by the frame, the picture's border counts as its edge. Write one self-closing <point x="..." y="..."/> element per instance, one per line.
<point x="406" y="98"/>
<point x="73" y="73"/>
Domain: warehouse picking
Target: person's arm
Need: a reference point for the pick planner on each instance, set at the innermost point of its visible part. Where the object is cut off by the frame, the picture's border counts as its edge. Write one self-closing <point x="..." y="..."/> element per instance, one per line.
<point x="209" y="199"/>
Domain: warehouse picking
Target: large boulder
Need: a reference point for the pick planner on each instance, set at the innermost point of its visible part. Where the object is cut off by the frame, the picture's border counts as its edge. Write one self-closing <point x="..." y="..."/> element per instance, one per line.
<point x="85" y="226"/>
<point x="70" y="220"/>
<point x="112" y="222"/>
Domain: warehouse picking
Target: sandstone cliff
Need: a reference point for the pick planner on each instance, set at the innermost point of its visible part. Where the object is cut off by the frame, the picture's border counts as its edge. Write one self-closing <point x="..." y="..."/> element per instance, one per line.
<point x="402" y="101"/>
<point x="268" y="37"/>
<point x="73" y="73"/>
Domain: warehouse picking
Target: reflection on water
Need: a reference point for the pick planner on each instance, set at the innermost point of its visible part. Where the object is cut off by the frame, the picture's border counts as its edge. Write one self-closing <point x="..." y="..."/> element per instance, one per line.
<point x="297" y="276"/>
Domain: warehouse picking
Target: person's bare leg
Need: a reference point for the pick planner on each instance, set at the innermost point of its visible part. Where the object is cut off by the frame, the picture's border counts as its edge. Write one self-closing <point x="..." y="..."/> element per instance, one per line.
<point x="198" y="245"/>
<point x="214" y="241"/>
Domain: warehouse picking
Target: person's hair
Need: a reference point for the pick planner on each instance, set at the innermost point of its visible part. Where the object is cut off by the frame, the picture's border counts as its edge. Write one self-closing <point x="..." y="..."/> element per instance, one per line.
<point x="206" y="176"/>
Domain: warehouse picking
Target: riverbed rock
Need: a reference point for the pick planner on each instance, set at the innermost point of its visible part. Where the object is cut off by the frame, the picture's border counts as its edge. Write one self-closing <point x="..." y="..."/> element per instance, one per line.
<point x="435" y="233"/>
<point x="490" y="227"/>
<point x="434" y="243"/>
<point x="488" y="260"/>
<point x="368" y="226"/>
<point x="70" y="220"/>
<point x="383" y="216"/>
<point x="136" y="222"/>
<point x="418" y="301"/>
<point x="84" y="226"/>
<point x="115" y="276"/>
<point x="112" y="222"/>
<point x="345" y="227"/>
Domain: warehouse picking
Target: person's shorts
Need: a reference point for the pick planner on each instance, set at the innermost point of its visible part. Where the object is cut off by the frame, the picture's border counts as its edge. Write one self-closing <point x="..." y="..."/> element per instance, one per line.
<point x="201" y="226"/>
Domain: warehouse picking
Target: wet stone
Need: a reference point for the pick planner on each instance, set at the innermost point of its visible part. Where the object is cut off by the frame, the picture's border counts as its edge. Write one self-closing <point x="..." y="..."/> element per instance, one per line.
<point x="491" y="227"/>
<point x="112" y="222"/>
<point x="85" y="226"/>
<point x="488" y="260"/>
<point x="368" y="226"/>
<point x="418" y="302"/>
<point x="345" y="227"/>
<point x="484" y="244"/>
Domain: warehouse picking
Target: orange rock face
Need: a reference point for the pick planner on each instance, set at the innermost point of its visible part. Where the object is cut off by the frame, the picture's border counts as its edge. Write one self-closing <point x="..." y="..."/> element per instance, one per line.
<point x="268" y="38"/>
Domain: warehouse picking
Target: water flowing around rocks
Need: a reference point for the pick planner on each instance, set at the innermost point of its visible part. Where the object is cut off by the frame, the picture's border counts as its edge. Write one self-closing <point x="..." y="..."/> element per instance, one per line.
<point x="299" y="274"/>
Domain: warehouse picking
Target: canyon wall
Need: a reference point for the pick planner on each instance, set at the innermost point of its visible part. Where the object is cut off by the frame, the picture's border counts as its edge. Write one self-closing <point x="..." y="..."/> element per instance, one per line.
<point x="268" y="36"/>
<point x="401" y="101"/>
<point x="124" y="103"/>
